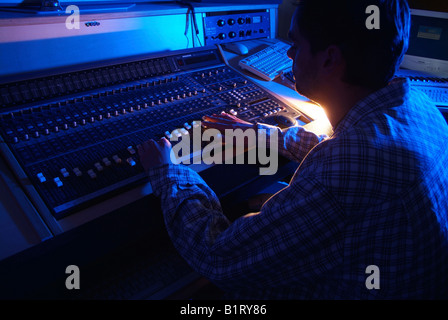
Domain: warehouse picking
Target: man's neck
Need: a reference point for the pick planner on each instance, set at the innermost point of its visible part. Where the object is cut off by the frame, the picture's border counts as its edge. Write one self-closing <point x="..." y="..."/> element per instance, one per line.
<point x="340" y="100"/>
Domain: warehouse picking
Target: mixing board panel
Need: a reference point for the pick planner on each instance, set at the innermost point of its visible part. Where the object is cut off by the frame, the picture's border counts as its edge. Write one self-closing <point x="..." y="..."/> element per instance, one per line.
<point x="74" y="134"/>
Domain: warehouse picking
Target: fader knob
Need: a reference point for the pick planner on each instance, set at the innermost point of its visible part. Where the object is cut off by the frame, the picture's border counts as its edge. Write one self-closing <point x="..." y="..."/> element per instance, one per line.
<point x="131" y="150"/>
<point x="58" y="182"/>
<point x="64" y="172"/>
<point x="177" y="133"/>
<point x="184" y="131"/>
<point x="41" y="177"/>
<point x="98" y="166"/>
<point x="106" y="162"/>
<point x="131" y="162"/>
<point x="91" y="173"/>
<point x="116" y="159"/>
<point x="77" y="172"/>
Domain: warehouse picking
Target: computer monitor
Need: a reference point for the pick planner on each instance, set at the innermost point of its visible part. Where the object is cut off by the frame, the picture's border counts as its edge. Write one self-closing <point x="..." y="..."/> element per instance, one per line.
<point x="428" y="43"/>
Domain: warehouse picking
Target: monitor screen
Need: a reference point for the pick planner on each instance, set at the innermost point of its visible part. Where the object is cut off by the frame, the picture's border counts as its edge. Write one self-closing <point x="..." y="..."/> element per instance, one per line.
<point x="428" y="42"/>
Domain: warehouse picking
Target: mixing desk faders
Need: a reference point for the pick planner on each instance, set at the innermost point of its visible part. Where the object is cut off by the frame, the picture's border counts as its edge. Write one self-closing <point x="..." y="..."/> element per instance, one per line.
<point x="74" y="133"/>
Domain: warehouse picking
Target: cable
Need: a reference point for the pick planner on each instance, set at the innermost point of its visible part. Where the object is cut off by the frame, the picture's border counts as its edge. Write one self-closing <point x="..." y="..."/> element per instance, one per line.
<point x="197" y="32"/>
<point x="187" y="27"/>
<point x="192" y="18"/>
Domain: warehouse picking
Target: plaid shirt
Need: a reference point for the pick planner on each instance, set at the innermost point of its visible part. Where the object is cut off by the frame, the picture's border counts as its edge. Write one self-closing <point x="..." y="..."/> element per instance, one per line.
<point x="374" y="193"/>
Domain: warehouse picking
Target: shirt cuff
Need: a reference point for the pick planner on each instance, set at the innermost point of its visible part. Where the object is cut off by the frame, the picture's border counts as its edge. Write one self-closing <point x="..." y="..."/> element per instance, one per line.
<point x="268" y="129"/>
<point x="164" y="176"/>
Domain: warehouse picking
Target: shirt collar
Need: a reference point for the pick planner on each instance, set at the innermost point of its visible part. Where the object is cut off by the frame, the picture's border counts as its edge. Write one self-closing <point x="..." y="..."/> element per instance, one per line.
<point x="389" y="96"/>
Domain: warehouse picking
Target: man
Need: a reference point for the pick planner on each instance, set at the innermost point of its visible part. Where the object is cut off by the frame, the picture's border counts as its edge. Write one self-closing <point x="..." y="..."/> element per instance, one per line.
<point x="365" y="214"/>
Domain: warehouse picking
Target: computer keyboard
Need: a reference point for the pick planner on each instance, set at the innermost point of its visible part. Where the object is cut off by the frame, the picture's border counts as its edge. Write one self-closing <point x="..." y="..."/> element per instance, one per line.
<point x="269" y="62"/>
<point x="434" y="87"/>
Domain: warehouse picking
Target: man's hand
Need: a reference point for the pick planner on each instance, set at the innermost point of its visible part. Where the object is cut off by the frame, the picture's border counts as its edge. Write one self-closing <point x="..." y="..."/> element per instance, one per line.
<point x="225" y="121"/>
<point x="153" y="154"/>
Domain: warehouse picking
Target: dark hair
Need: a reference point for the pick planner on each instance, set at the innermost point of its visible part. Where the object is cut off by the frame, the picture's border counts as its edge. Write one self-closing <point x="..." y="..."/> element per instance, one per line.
<point x="372" y="55"/>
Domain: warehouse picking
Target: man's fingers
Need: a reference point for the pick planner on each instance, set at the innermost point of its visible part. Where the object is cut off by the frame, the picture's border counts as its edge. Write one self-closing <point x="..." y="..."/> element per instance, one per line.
<point x="225" y="121"/>
<point x="223" y="118"/>
<point x="216" y="125"/>
<point x="228" y="116"/>
<point x="146" y="144"/>
<point x="164" y="142"/>
<point x="216" y="118"/>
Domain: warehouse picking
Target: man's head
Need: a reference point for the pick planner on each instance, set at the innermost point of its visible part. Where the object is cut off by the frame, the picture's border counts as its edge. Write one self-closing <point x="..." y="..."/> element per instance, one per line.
<point x="331" y="39"/>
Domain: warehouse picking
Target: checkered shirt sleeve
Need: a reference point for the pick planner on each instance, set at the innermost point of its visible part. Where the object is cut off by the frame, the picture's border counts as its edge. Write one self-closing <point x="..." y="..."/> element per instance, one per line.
<point x="294" y="143"/>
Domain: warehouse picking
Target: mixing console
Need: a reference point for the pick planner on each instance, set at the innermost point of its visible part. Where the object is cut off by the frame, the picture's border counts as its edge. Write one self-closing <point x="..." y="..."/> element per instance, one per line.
<point x="74" y="133"/>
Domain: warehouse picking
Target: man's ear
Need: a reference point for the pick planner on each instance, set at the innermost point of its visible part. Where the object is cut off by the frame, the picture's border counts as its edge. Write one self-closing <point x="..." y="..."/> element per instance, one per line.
<point x="332" y="60"/>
